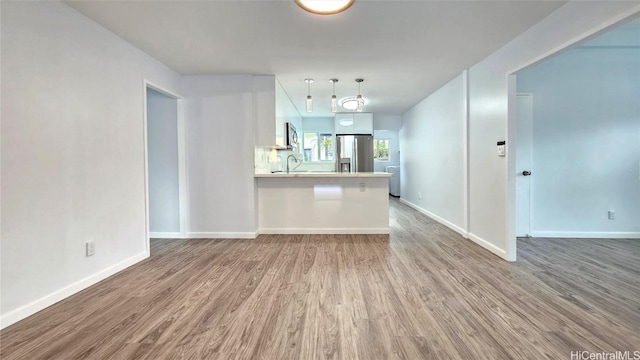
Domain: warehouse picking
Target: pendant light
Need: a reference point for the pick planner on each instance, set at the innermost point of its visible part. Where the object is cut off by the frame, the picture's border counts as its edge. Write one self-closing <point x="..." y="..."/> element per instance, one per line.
<point x="309" y="99"/>
<point x="359" y="97"/>
<point x="334" y="99"/>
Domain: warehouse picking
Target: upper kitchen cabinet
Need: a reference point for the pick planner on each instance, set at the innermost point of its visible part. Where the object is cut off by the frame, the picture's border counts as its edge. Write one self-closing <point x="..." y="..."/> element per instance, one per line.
<point x="272" y="109"/>
<point x="363" y="123"/>
<point x="286" y="112"/>
<point x="264" y="105"/>
<point x="354" y="123"/>
<point x="343" y="124"/>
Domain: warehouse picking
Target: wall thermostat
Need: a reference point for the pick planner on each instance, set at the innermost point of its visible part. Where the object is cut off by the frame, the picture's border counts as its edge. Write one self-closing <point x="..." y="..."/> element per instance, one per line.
<point x="501" y="148"/>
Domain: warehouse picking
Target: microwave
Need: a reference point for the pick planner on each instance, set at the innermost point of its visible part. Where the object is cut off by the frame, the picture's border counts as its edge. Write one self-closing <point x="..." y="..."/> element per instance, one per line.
<point x="291" y="136"/>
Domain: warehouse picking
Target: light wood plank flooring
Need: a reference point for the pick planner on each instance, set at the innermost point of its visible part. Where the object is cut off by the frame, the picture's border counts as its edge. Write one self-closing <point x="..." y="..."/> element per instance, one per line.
<point x="421" y="293"/>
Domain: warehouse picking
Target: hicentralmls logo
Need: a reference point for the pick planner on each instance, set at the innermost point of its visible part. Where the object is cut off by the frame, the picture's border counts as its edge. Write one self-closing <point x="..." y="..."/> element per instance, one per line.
<point x="616" y="355"/>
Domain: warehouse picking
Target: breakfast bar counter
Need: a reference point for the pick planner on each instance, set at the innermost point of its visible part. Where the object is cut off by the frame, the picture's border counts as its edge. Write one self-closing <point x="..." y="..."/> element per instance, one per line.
<point x="324" y="174"/>
<point x="323" y="203"/>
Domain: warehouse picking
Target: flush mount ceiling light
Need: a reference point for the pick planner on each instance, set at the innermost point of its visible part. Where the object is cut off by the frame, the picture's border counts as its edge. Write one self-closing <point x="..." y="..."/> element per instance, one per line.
<point x="334" y="99"/>
<point x="325" y="7"/>
<point x="355" y="102"/>
<point x="309" y="99"/>
<point x="351" y="103"/>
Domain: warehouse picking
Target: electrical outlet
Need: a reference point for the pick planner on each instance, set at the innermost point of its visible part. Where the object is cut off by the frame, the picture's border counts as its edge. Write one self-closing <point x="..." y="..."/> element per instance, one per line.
<point x="90" y="248"/>
<point x="612" y="215"/>
<point x="419" y="196"/>
<point x="362" y="187"/>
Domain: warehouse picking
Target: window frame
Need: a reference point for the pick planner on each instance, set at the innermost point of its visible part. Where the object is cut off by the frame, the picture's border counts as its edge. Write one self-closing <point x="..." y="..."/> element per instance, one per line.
<point x="318" y="135"/>
<point x="375" y="149"/>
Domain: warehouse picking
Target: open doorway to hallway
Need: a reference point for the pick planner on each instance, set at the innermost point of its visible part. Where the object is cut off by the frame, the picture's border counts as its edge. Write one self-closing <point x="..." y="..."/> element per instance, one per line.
<point x="578" y="141"/>
<point x="165" y="164"/>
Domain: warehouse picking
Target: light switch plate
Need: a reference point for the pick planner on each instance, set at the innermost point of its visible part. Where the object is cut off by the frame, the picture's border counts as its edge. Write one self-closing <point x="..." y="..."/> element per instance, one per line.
<point x="500" y="150"/>
<point x="90" y="248"/>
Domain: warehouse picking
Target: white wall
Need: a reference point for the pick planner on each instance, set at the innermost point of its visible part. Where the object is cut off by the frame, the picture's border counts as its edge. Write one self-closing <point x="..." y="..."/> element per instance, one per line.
<point x="72" y="153"/>
<point x="490" y="211"/>
<point x="394" y="149"/>
<point x="220" y="155"/>
<point x="432" y="154"/>
<point x="318" y="124"/>
<point x="491" y="217"/>
<point x="162" y="145"/>
<point x="586" y="141"/>
<point x="387" y="122"/>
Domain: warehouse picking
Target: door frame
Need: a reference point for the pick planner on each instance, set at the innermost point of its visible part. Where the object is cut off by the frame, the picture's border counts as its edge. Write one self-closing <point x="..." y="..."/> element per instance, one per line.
<point x="510" y="229"/>
<point x="531" y="165"/>
<point x="182" y="168"/>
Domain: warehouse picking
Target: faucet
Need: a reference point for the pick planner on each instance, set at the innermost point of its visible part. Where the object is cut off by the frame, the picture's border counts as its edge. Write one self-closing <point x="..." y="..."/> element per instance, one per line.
<point x="295" y="159"/>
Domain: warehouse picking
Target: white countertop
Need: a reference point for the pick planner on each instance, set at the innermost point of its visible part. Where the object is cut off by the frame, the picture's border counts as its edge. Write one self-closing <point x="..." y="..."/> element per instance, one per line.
<point x="314" y="174"/>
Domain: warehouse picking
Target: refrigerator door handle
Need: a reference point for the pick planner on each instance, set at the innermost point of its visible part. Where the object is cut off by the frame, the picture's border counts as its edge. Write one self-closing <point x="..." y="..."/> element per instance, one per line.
<point x="355" y="155"/>
<point x="338" y="153"/>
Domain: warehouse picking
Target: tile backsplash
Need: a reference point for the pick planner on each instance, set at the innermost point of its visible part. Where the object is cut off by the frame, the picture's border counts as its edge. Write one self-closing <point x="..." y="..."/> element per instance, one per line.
<point x="268" y="160"/>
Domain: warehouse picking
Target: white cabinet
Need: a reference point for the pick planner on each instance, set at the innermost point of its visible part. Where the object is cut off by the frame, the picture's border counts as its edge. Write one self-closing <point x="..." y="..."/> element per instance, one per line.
<point x="354" y="123"/>
<point x="264" y="110"/>
<point x="285" y="112"/>
<point x="363" y="123"/>
<point x="344" y="124"/>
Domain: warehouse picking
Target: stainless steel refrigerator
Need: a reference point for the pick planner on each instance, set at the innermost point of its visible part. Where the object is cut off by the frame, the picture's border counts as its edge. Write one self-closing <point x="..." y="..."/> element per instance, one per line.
<point x="354" y="153"/>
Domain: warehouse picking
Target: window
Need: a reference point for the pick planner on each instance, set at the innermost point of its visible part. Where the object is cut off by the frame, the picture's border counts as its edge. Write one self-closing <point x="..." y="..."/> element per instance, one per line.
<point x="381" y="149"/>
<point x="317" y="146"/>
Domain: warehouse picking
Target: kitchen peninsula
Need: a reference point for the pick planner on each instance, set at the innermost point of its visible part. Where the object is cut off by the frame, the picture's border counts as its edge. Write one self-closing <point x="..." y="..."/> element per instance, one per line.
<point x="297" y="191"/>
<point x="323" y="203"/>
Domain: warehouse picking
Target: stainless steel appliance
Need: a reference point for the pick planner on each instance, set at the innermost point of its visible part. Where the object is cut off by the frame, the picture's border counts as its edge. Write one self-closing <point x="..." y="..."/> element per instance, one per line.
<point x="291" y="136"/>
<point x="394" y="181"/>
<point x="354" y="153"/>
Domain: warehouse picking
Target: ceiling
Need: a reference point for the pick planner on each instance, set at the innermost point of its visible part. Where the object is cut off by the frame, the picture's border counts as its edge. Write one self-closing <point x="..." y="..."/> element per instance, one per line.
<point x="405" y="50"/>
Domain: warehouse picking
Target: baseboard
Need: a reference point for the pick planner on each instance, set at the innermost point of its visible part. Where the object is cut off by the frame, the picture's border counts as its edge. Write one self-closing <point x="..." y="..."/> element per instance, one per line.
<point x="476" y="239"/>
<point x="437" y="218"/>
<point x="586" y="235"/>
<point x="489" y="246"/>
<point x="293" y="231"/>
<point x="48" y="300"/>
<point x="222" y="235"/>
<point x="165" y="235"/>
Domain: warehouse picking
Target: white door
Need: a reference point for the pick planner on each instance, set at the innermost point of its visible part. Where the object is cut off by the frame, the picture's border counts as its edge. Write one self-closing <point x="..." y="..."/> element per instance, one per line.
<point x="524" y="144"/>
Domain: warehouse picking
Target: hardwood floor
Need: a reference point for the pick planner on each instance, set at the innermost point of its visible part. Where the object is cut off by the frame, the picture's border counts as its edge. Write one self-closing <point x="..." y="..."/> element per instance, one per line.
<point x="421" y="293"/>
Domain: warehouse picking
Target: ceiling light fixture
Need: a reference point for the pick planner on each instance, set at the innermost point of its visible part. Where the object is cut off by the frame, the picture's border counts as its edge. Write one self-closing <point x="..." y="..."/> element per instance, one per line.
<point x="309" y="99"/>
<point x="325" y="7"/>
<point x="360" y="102"/>
<point x="350" y="103"/>
<point x="334" y="99"/>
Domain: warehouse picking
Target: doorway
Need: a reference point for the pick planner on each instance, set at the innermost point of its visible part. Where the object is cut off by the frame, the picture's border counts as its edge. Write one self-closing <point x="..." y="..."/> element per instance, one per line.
<point x="165" y="159"/>
<point x="583" y="142"/>
<point x="524" y="148"/>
